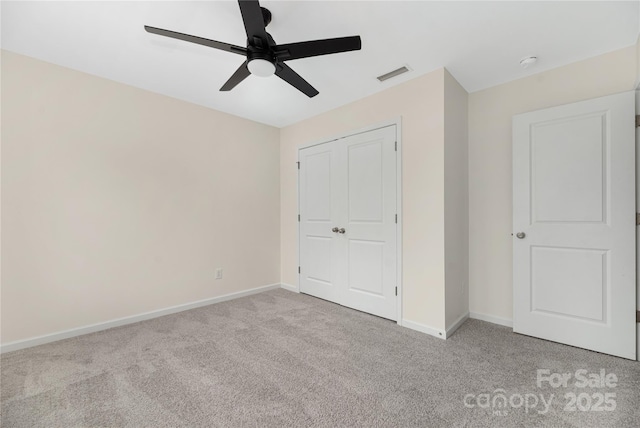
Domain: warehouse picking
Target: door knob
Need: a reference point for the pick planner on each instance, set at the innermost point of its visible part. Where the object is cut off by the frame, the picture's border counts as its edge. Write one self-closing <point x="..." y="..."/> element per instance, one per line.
<point x="520" y="235"/>
<point x="341" y="230"/>
<point x="335" y="230"/>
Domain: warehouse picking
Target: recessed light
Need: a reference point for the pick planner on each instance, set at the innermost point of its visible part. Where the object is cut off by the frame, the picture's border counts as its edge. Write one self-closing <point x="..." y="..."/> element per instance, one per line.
<point x="528" y="61"/>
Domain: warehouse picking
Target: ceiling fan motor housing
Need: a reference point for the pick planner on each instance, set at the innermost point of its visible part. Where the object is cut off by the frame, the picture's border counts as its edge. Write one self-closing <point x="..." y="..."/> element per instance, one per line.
<point x="266" y="15"/>
<point x="258" y="53"/>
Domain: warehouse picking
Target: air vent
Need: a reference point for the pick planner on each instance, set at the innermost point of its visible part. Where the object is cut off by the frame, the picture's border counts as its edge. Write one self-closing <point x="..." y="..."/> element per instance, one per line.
<point x="393" y="73"/>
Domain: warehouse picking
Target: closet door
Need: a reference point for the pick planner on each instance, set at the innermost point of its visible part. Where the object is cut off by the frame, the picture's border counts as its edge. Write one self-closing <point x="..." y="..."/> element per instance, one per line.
<point x="347" y="196"/>
<point x="368" y="174"/>
<point x="320" y="207"/>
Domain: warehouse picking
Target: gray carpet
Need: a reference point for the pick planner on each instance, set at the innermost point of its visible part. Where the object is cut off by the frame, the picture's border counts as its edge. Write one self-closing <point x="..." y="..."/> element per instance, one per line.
<point x="283" y="359"/>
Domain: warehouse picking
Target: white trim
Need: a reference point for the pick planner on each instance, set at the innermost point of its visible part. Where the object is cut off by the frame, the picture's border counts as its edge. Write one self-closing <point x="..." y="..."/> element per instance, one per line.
<point x="431" y="331"/>
<point x="397" y="122"/>
<point x="637" y="86"/>
<point x="289" y="287"/>
<point x="298" y="219"/>
<point x="490" y="318"/>
<point x="637" y="111"/>
<point x="92" y="328"/>
<point x="456" y="325"/>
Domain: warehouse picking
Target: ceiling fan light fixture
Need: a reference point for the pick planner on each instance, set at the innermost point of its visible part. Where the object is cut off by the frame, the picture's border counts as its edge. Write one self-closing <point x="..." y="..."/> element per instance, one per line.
<point x="261" y="67"/>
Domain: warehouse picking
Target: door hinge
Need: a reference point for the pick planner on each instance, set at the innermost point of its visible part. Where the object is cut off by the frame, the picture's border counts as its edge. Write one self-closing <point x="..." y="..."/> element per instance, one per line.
<point x="396" y="218"/>
<point x="396" y="146"/>
<point x="298" y="218"/>
<point x="298" y="165"/>
<point x="396" y="291"/>
<point x="638" y="121"/>
<point x="298" y="269"/>
<point x="637" y="316"/>
<point x="637" y="219"/>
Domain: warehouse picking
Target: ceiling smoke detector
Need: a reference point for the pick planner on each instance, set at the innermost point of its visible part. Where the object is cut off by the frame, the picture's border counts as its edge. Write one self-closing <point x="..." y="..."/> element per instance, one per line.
<point x="528" y="61"/>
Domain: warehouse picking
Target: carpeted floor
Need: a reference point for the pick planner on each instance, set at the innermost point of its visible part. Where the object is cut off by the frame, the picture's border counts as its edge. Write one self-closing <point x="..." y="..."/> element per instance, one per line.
<point x="283" y="359"/>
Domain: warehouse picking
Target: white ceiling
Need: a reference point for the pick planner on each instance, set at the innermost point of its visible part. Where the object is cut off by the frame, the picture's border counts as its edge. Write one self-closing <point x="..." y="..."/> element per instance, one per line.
<point x="480" y="43"/>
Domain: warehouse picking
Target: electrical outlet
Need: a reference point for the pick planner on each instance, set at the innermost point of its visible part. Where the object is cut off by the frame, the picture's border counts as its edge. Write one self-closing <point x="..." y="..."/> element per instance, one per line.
<point x="219" y="273"/>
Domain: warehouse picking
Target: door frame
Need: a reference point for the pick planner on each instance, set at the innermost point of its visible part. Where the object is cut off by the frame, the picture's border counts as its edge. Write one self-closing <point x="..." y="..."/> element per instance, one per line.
<point x="398" y="124"/>
<point x="637" y="93"/>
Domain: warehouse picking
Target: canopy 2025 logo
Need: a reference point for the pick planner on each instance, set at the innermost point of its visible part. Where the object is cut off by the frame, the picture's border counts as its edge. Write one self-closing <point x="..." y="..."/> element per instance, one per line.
<point x="599" y="401"/>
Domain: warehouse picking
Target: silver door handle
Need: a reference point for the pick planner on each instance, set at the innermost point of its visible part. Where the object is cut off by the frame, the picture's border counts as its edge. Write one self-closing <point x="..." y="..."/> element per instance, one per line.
<point x="341" y="230"/>
<point x="520" y="235"/>
<point x="335" y="230"/>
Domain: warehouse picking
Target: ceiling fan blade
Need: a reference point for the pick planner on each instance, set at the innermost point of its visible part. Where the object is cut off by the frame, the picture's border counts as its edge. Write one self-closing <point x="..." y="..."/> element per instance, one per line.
<point x="199" y="40"/>
<point x="317" y="47"/>
<point x="285" y="72"/>
<point x="241" y="73"/>
<point x="254" y="23"/>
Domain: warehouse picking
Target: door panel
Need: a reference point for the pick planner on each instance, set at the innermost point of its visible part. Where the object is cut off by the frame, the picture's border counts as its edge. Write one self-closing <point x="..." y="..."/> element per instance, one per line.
<point x="366" y="193"/>
<point x="371" y="229"/>
<point x="558" y="275"/>
<point x="361" y="261"/>
<point x="574" y="200"/>
<point x="318" y="249"/>
<point x="318" y="184"/>
<point x="366" y="266"/>
<point x="319" y="267"/>
<point x="572" y="152"/>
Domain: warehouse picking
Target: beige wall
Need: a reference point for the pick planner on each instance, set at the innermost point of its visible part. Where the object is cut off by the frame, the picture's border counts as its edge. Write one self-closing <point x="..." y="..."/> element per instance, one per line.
<point x="490" y="112"/>
<point x="117" y="201"/>
<point x="420" y="104"/>
<point x="456" y="200"/>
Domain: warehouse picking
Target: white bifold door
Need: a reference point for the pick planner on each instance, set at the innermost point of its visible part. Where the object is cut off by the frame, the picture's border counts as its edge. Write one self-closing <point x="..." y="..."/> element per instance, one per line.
<point x="347" y="202"/>
<point x="574" y="224"/>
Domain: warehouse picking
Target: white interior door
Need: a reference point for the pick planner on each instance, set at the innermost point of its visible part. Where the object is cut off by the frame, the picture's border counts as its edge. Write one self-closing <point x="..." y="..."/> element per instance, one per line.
<point x="574" y="224"/>
<point x="348" y="222"/>
<point x="320" y="208"/>
<point x="369" y="220"/>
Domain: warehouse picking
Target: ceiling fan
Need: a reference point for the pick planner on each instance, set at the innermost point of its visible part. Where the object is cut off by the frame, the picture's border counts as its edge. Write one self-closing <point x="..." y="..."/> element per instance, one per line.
<point x="264" y="56"/>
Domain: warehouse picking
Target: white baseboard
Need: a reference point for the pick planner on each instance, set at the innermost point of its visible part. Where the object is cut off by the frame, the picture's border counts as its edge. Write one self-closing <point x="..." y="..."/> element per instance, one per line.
<point x="289" y="287"/>
<point x="457" y="323"/>
<point x="424" y="329"/>
<point x="66" y="334"/>
<point x="490" y="318"/>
